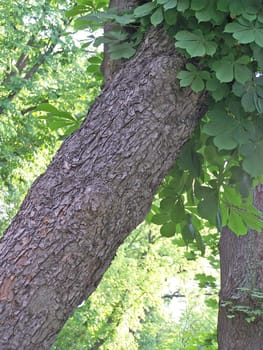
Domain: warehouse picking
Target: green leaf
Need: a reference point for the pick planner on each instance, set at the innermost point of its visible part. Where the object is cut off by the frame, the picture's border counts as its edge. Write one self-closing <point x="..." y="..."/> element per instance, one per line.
<point x="93" y="68"/>
<point x="197" y="84"/>
<point x="190" y="160"/>
<point x="170" y="16"/>
<point x="160" y="219"/>
<point x="193" y="78"/>
<point x="91" y="20"/>
<point x="213" y="157"/>
<point x="157" y="16"/>
<point x="241" y="31"/>
<point x="183" y="5"/>
<point x="170" y="4"/>
<point x="253" y="155"/>
<point x="251" y="95"/>
<point x="65" y="115"/>
<point x="232" y="196"/>
<point x="236" y="223"/>
<point x="259" y="35"/>
<point x="202" y="192"/>
<point x="190" y="256"/>
<point x="204" y="280"/>
<point x="123" y="50"/>
<point x="217" y="90"/>
<point x="115" y="35"/>
<point x="178" y="212"/>
<point x="199" y="242"/>
<point x="223" y="5"/>
<point x="76" y="10"/>
<point x="226" y="141"/>
<point x="242" y="180"/>
<point x="210" y="47"/>
<point x="210" y="13"/>
<point x="224" y="70"/>
<point x="207" y="209"/>
<point x="245" y="31"/>
<point x="248" y="101"/>
<point x="238" y="89"/>
<point x="191" y="42"/>
<point x="186" y="78"/>
<point x="177" y="185"/>
<point x="60" y="120"/>
<point x="95" y="60"/>
<point x="168" y="229"/>
<point x="197" y="5"/>
<point x="167" y="204"/>
<point x="46" y="107"/>
<point x="124" y="19"/>
<point x="224" y="211"/>
<point x="208" y="206"/>
<point x="243" y="60"/>
<point x="187" y="234"/>
<point x="242" y="73"/>
<point x="212" y="303"/>
<point x="144" y="10"/>
<point x="222" y="127"/>
<point x="195" y="43"/>
<point x="258" y="54"/>
<point x="253" y="221"/>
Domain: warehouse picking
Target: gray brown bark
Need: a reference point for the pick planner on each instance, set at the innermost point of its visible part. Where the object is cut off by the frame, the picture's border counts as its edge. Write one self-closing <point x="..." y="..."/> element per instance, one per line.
<point x="241" y="261"/>
<point x="99" y="186"/>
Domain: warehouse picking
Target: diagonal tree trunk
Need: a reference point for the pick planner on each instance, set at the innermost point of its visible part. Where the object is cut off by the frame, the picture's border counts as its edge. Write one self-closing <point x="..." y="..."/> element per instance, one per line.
<point x="241" y="276"/>
<point x="99" y="186"/>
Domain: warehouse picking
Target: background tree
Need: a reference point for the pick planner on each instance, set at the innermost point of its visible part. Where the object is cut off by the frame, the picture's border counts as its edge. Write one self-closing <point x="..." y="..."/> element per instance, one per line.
<point x="141" y="311"/>
<point x="38" y="53"/>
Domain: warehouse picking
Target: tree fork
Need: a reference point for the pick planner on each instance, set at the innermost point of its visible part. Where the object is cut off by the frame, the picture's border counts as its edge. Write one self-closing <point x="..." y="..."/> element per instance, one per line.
<point x="99" y="186"/>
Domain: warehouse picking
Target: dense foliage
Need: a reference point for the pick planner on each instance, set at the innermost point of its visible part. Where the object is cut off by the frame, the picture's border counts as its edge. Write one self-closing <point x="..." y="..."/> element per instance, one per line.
<point x="211" y="183"/>
<point x="38" y="55"/>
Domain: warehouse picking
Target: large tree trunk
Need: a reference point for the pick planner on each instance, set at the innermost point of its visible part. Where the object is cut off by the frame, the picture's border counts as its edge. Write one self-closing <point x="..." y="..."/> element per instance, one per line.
<point x="241" y="267"/>
<point x="99" y="186"/>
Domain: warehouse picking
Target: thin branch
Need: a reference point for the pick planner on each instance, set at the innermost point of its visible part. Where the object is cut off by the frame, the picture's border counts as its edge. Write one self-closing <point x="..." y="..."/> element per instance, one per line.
<point x="175" y="294"/>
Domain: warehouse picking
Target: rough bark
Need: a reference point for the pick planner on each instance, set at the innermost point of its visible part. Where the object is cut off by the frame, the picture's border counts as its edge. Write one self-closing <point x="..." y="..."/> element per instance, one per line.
<point x="241" y="261"/>
<point x="98" y="187"/>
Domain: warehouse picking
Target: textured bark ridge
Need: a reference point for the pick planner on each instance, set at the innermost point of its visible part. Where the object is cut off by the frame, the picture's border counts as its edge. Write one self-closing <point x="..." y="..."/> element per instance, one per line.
<point x="241" y="267"/>
<point x="99" y="187"/>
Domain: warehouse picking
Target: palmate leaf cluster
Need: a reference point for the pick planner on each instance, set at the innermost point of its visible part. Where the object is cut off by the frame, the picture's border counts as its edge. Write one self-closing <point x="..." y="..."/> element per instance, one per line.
<point x="217" y="169"/>
<point x="211" y="183"/>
